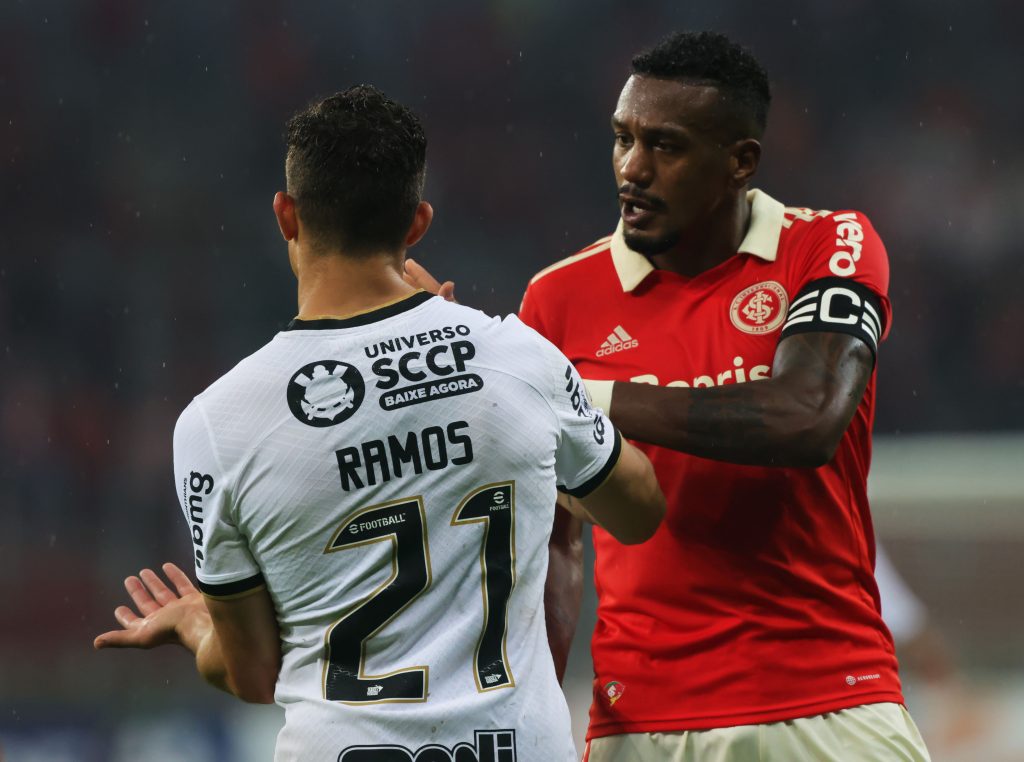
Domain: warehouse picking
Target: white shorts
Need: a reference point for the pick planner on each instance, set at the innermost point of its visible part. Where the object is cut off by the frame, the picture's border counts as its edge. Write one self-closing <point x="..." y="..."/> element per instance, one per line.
<point x="869" y="733"/>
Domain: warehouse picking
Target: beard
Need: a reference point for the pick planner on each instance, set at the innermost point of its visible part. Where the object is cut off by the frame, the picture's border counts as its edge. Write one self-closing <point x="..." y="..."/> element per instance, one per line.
<point x="650" y="246"/>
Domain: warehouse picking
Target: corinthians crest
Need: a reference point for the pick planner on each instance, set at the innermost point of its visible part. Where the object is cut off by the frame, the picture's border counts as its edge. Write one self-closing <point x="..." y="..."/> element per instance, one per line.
<point x="760" y="308"/>
<point x="325" y="393"/>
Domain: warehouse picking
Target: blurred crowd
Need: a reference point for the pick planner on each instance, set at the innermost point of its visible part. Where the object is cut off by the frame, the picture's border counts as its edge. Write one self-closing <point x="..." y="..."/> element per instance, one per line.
<point x="140" y="260"/>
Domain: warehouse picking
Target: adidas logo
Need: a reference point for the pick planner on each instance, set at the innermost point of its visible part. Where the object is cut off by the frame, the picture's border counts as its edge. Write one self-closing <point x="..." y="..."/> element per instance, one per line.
<point x="617" y="341"/>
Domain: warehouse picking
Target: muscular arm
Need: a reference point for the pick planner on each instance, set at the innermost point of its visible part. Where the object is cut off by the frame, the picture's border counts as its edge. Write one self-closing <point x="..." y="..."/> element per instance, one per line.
<point x="563" y="589"/>
<point x="795" y="418"/>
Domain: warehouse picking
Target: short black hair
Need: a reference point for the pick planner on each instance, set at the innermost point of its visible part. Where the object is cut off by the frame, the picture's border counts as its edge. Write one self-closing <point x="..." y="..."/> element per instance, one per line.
<point x="356" y="165"/>
<point x="713" y="59"/>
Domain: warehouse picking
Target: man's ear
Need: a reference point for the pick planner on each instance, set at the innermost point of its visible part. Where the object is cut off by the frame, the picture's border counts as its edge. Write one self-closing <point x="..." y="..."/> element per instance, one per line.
<point x="744" y="161"/>
<point x="284" y="210"/>
<point x="420" y="222"/>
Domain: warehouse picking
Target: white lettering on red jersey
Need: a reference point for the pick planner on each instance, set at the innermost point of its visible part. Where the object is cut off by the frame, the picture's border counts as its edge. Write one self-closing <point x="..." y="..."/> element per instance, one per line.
<point x="755" y="601"/>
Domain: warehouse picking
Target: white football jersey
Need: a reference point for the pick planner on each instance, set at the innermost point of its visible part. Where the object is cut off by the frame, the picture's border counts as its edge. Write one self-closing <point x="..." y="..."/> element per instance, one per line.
<point x="390" y="477"/>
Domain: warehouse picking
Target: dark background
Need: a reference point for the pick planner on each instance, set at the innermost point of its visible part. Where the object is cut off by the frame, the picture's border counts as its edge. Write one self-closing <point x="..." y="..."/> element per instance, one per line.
<point x="141" y="147"/>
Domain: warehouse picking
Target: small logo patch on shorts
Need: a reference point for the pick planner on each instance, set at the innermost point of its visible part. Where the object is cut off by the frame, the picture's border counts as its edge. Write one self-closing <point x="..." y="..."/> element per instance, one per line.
<point x="613" y="691"/>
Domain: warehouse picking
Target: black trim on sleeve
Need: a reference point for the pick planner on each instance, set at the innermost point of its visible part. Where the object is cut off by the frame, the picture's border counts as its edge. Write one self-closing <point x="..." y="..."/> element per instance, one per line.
<point x="598" y="479"/>
<point x="231" y="589"/>
<point x="837" y="305"/>
<point x="363" y="318"/>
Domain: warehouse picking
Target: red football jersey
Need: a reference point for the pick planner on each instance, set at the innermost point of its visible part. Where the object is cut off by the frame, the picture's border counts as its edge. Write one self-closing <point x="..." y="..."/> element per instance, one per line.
<point x="756" y="600"/>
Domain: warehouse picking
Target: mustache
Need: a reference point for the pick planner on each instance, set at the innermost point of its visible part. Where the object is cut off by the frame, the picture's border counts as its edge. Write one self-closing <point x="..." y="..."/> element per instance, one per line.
<point x="637" y="193"/>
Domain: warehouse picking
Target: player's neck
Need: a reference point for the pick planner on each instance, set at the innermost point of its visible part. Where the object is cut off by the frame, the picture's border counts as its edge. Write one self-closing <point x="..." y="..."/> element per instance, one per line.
<point x="336" y="286"/>
<point x="715" y="239"/>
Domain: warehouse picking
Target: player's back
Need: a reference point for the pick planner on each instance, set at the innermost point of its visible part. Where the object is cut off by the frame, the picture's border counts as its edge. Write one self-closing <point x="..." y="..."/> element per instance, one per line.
<point x="391" y="479"/>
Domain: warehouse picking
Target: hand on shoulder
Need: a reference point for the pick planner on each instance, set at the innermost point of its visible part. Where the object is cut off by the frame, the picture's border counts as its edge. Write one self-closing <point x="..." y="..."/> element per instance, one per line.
<point x="419" y="277"/>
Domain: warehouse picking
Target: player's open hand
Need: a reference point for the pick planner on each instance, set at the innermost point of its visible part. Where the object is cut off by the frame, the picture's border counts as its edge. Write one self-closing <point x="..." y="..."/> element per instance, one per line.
<point x="161" y="614"/>
<point x="417" y="276"/>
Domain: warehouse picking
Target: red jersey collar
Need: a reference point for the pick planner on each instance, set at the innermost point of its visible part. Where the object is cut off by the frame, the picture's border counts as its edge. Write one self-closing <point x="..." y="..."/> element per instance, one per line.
<point x="761" y="240"/>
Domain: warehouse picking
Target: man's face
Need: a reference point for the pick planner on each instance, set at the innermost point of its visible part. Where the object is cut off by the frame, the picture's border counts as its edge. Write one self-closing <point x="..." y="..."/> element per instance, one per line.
<point x="671" y="167"/>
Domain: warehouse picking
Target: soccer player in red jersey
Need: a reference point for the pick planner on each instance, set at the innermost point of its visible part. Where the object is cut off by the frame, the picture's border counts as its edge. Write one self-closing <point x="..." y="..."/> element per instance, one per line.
<point x="734" y="339"/>
<point x="749" y="628"/>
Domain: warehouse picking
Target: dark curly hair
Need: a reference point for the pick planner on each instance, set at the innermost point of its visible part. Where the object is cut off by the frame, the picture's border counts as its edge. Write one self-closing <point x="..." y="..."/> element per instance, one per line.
<point x="356" y="165"/>
<point x="710" y="58"/>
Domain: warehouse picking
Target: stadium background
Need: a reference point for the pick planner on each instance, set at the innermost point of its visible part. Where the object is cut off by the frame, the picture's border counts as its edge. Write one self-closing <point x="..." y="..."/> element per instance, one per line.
<point x="140" y="260"/>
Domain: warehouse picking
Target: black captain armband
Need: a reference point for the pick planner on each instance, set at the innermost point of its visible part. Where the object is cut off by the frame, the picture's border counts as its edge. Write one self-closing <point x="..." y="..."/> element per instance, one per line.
<point x="836" y="305"/>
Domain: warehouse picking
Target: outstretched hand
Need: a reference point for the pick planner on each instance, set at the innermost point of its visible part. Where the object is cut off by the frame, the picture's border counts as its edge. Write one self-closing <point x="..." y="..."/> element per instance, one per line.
<point x="163" y="615"/>
<point x="417" y="276"/>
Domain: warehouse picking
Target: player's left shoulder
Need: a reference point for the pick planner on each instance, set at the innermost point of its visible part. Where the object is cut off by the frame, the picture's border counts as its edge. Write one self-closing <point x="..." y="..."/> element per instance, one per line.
<point x="803" y="220"/>
<point x="841" y="243"/>
<point x="442" y="311"/>
<point x="529" y="355"/>
<point x="519" y="344"/>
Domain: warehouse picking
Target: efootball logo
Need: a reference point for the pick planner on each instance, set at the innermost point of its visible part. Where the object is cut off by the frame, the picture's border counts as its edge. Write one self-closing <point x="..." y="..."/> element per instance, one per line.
<point x="325" y="393"/>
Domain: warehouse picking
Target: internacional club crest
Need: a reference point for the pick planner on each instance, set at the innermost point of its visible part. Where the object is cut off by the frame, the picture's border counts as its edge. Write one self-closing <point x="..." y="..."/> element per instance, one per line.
<point x="760" y="308"/>
<point x="325" y="393"/>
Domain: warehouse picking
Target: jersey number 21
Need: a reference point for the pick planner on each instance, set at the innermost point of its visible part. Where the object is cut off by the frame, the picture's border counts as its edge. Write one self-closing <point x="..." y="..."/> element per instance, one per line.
<point x="403" y="523"/>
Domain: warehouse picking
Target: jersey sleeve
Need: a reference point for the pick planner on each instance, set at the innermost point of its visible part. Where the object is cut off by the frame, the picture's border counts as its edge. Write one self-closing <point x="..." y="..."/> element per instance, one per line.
<point x="588" y="443"/>
<point x="224" y="564"/>
<point x="530" y="312"/>
<point x="842" y="283"/>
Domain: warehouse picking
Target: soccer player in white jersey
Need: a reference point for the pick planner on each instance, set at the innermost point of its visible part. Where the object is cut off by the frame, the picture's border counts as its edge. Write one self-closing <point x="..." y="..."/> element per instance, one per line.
<point x="370" y="495"/>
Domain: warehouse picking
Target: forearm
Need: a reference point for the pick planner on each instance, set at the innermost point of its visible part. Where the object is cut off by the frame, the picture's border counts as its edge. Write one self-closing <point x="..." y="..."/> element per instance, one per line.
<point x="760" y="423"/>
<point x="563" y="589"/>
<point x="795" y="418"/>
<point x="199" y="637"/>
